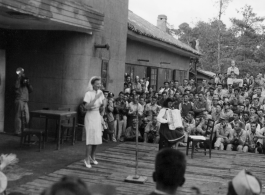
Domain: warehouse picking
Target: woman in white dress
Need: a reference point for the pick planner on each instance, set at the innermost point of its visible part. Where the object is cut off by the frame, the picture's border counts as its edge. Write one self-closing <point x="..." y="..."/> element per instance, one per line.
<point x="93" y="101"/>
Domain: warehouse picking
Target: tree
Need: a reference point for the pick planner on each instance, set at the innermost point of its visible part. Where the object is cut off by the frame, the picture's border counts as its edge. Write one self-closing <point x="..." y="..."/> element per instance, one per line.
<point x="222" y="7"/>
<point x="249" y="32"/>
<point x="184" y="32"/>
<point x="244" y="42"/>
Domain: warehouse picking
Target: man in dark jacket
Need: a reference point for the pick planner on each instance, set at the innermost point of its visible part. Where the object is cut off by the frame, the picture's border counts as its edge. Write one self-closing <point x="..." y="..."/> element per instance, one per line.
<point x="22" y="90"/>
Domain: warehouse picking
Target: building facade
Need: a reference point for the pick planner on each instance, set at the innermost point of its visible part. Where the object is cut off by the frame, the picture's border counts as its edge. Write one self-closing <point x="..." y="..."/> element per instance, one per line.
<point x="152" y="52"/>
<point x="54" y="41"/>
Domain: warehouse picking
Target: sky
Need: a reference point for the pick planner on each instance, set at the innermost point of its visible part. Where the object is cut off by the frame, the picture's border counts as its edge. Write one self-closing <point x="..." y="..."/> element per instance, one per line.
<point x="191" y="11"/>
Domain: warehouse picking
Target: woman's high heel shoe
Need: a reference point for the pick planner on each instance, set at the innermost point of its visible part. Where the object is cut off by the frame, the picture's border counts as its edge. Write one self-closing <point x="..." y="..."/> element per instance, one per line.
<point x="93" y="161"/>
<point x="87" y="165"/>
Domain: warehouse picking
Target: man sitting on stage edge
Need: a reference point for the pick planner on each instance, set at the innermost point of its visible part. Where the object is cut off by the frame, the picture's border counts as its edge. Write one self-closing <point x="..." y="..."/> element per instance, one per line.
<point x="170" y="167"/>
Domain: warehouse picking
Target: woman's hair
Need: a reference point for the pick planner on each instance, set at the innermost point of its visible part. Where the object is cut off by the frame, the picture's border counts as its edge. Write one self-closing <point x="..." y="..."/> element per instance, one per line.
<point x="165" y="103"/>
<point x="94" y="80"/>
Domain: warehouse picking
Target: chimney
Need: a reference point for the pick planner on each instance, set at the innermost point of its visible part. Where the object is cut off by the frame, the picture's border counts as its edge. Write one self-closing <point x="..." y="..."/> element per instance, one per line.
<point x="162" y="22"/>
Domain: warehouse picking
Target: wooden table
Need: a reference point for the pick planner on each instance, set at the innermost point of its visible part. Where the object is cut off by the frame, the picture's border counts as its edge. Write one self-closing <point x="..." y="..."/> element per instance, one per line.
<point x="57" y="115"/>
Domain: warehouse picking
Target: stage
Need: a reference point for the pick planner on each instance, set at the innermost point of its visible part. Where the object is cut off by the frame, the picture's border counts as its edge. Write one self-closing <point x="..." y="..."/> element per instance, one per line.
<point x="115" y="164"/>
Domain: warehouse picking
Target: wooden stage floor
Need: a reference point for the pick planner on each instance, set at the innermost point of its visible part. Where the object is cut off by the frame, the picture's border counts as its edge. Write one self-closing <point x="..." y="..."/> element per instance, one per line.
<point x="209" y="175"/>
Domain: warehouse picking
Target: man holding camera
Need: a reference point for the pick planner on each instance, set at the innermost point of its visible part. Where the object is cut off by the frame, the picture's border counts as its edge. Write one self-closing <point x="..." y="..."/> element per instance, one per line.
<point x="22" y="90"/>
<point x="238" y="138"/>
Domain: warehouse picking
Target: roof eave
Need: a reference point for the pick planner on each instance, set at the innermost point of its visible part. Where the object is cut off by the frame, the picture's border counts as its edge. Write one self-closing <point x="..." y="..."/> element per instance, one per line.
<point x="202" y="72"/>
<point x="172" y="48"/>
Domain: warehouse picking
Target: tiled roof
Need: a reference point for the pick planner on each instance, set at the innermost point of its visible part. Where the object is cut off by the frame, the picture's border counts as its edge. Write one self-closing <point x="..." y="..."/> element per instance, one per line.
<point x="145" y="28"/>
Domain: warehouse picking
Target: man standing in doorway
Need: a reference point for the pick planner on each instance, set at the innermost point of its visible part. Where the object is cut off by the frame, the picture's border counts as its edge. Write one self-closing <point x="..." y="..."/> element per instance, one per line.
<point x="22" y="90"/>
<point x="233" y="73"/>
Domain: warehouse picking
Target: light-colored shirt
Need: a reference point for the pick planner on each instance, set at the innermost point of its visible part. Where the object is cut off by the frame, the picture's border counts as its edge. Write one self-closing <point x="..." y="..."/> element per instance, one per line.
<point x="222" y="131"/>
<point x="233" y="69"/>
<point x="221" y="93"/>
<point x="90" y="95"/>
<point x="252" y="140"/>
<point x="241" y="136"/>
<point x="215" y="115"/>
<point x="248" y="127"/>
<point x="168" y="91"/>
<point x="133" y="108"/>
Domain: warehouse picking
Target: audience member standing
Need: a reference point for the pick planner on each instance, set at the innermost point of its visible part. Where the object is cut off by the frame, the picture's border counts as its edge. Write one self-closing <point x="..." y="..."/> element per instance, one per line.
<point x="22" y="90"/>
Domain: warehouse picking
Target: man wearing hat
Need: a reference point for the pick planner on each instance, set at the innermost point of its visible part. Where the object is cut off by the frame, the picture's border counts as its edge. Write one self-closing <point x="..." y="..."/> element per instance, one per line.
<point x="223" y="130"/>
<point x="244" y="183"/>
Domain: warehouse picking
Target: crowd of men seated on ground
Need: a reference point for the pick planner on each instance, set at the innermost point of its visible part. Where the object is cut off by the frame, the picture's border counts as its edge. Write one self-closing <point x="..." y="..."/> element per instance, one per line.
<point x="236" y="105"/>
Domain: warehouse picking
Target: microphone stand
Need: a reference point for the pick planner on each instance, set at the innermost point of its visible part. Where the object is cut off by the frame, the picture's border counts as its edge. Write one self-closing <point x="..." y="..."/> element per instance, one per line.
<point x="136" y="178"/>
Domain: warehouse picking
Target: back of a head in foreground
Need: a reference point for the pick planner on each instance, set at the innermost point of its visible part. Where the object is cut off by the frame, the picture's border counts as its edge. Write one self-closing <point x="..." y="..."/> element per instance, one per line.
<point x="170" y="167"/>
<point x="244" y="183"/>
<point x="68" y="185"/>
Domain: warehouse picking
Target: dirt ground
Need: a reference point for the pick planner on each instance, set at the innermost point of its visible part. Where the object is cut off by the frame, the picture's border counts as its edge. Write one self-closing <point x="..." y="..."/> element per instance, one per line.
<point x="33" y="164"/>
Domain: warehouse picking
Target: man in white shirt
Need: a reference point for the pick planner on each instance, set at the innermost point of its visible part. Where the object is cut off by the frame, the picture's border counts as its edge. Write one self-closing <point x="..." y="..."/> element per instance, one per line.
<point x="232" y="73"/>
<point x="166" y="89"/>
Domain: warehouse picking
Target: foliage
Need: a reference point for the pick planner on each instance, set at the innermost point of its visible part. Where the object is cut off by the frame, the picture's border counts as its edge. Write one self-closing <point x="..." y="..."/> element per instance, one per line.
<point x="244" y="41"/>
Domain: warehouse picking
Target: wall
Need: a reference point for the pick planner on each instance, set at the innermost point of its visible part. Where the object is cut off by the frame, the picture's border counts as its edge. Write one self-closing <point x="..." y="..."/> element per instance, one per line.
<point x="138" y="50"/>
<point x="59" y="64"/>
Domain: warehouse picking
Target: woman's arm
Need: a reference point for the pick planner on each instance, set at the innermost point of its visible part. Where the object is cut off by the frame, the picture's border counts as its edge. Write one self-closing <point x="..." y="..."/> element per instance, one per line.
<point x="89" y="105"/>
<point x="160" y="117"/>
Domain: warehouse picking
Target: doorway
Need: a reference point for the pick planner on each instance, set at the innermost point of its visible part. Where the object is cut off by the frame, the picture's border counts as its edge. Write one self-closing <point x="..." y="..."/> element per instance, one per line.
<point x="2" y="88"/>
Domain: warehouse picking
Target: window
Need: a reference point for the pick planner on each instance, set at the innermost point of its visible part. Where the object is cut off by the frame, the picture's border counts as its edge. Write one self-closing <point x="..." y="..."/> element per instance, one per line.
<point x="168" y="75"/>
<point x="130" y="71"/>
<point x="183" y="75"/>
<point x="104" y="73"/>
<point x="153" y="79"/>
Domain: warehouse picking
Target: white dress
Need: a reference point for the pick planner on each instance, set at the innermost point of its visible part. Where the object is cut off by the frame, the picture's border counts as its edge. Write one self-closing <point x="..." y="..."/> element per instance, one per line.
<point x="93" y="124"/>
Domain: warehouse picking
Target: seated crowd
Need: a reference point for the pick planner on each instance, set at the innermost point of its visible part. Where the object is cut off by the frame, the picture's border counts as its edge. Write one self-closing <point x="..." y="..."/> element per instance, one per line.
<point x="237" y="108"/>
